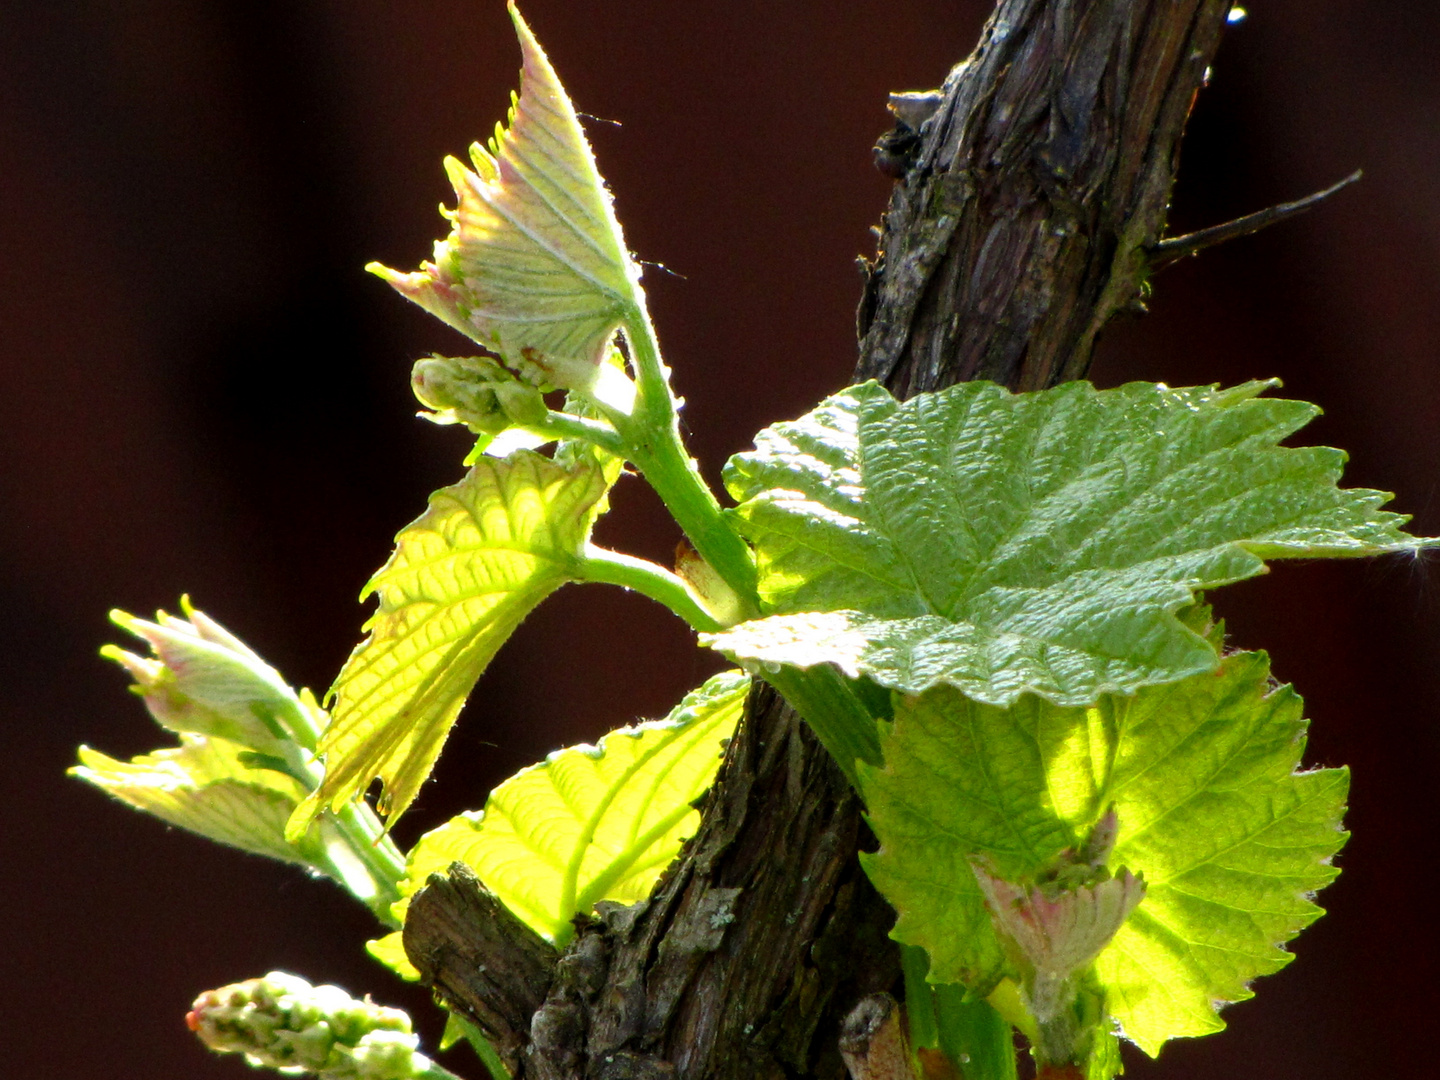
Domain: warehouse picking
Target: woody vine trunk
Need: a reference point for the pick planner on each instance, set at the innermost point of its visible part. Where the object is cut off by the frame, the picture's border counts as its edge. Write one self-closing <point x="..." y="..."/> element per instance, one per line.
<point x="1030" y="192"/>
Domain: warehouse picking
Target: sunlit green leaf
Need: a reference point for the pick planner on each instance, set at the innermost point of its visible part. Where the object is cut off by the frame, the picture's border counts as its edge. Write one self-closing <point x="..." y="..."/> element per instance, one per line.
<point x="244" y="764"/>
<point x="462" y="578"/>
<point x="590" y="823"/>
<point x="1008" y="543"/>
<point x="535" y="267"/>
<point x="206" y="786"/>
<point x="1231" y="840"/>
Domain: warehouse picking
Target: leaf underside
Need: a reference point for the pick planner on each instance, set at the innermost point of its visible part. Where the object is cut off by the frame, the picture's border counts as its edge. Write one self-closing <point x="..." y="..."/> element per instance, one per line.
<point x="461" y="579"/>
<point x="1040" y="543"/>
<point x="205" y="786"/>
<point x="590" y="823"/>
<point x="535" y="267"/>
<point x="1232" y="841"/>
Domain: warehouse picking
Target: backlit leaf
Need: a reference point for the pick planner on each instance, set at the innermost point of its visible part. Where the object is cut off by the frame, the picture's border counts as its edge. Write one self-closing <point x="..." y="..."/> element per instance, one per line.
<point x="535" y="267"/>
<point x="590" y="823"/>
<point x="462" y="578"/>
<point x="1231" y="840"/>
<point x="205" y="786"/>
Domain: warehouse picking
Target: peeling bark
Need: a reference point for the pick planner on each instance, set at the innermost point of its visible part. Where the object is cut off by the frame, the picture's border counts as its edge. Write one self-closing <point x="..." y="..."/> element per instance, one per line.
<point x="1038" y="189"/>
<point x="1027" y="202"/>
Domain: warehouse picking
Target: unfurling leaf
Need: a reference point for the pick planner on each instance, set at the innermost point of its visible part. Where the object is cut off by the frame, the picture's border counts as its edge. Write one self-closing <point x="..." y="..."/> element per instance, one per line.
<point x="462" y="578"/>
<point x="282" y="1022"/>
<point x="590" y="823"/>
<point x="238" y="772"/>
<point x="204" y="680"/>
<point x="535" y="267"/>
<point x="1230" y="839"/>
<point x="243" y="766"/>
<point x="1054" y="933"/>
<point x="1042" y="543"/>
<point x="205" y="785"/>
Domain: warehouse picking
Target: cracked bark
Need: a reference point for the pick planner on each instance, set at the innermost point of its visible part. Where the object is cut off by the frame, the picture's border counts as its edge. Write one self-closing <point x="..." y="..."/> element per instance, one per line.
<point x="1023" y="218"/>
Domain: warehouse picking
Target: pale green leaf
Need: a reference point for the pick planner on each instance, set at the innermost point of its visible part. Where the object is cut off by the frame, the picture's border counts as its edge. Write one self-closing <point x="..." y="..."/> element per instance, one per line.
<point x="535" y="267"/>
<point x="1004" y="544"/>
<point x="590" y="823"/>
<point x="1231" y="840"/>
<point x="205" y="786"/>
<point x="462" y="578"/>
<point x="390" y="949"/>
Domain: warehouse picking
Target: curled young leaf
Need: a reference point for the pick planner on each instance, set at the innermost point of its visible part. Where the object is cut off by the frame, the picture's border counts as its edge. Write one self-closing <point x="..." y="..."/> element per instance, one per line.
<point x="204" y="680"/>
<point x="244" y="764"/>
<point x="207" y="786"/>
<point x="1053" y="934"/>
<point x="535" y="267"/>
<point x="1042" y="543"/>
<point x="463" y="576"/>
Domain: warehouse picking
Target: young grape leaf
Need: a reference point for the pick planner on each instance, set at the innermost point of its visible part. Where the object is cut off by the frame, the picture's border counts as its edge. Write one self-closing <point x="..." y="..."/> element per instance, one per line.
<point x="462" y="578"/>
<point x="1009" y="543"/>
<point x="535" y="267"/>
<point x="590" y="823"/>
<point x="205" y="681"/>
<point x="1230" y="839"/>
<point x="204" y="785"/>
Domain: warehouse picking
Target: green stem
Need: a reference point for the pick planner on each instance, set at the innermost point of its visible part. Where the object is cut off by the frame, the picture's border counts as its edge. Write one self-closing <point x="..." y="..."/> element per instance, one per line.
<point x="365" y="837"/>
<point x="919" y="998"/>
<point x="436" y="1071"/>
<point x="973" y="1036"/>
<point x="651" y="435"/>
<point x="367" y="840"/>
<point x="561" y="425"/>
<point x="483" y="1050"/>
<point x="648" y="579"/>
<point x="976" y="1038"/>
<point x="830" y="703"/>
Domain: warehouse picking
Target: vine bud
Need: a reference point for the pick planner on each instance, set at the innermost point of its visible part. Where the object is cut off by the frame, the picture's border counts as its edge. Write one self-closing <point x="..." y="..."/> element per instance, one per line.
<point x="1053" y="935"/>
<point x="205" y="681"/>
<point x="1056" y="927"/>
<point x="282" y="1022"/>
<point x="475" y="391"/>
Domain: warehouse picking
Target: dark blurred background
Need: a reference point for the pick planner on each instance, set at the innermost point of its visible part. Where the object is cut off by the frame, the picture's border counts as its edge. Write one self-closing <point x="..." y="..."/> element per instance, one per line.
<point x="203" y="392"/>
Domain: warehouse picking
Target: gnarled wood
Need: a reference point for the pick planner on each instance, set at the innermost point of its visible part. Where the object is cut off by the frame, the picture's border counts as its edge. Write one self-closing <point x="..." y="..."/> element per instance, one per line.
<point x="1021" y="221"/>
<point x="1039" y="185"/>
<point x="493" y="968"/>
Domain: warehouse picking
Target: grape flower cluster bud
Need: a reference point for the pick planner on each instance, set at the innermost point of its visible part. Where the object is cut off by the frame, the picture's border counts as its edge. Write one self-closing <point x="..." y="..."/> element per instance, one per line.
<point x="282" y="1022"/>
<point x="475" y="391"/>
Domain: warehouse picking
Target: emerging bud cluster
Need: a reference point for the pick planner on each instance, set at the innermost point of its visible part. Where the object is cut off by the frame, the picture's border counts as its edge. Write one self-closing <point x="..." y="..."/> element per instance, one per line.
<point x="1054" y="928"/>
<point x="475" y="391"/>
<point x="202" y="680"/>
<point x="282" y="1022"/>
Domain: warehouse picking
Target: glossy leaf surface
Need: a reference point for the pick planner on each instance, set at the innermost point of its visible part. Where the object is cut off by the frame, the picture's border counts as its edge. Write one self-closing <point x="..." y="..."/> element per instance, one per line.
<point x="1042" y="543"/>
